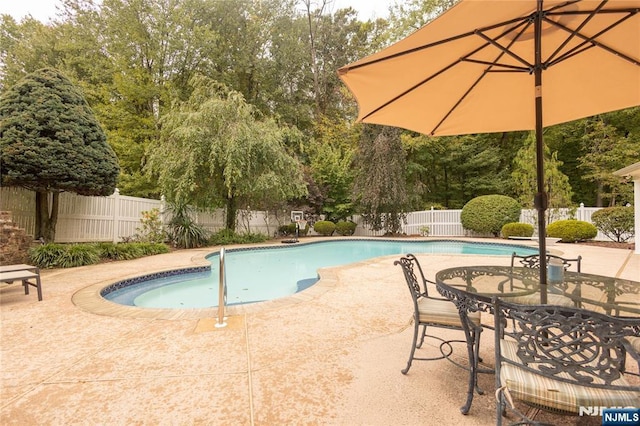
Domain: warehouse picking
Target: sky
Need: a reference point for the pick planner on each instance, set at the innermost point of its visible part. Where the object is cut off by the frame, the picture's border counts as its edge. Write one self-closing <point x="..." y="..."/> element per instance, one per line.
<point x="43" y="10"/>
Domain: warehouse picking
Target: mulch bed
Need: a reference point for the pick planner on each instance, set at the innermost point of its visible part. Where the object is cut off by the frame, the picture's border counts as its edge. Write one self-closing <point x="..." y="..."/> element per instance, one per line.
<point x="609" y="244"/>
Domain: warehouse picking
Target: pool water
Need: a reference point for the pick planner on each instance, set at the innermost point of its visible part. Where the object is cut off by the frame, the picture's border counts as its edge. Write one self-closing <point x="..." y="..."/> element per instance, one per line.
<point x="265" y="273"/>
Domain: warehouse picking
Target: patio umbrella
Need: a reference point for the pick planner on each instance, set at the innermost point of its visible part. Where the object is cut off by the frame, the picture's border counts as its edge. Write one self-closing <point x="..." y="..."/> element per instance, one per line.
<point x="492" y="66"/>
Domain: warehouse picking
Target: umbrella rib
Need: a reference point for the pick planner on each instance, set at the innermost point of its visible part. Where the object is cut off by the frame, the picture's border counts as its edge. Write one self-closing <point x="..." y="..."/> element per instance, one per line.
<point x="574" y="32"/>
<point x="410" y="89"/>
<point x="462" y="59"/>
<point x="347" y="68"/>
<point x="510" y="68"/>
<point x="484" y="73"/>
<point x="507" y="49"/>
<point x="503" y="51"/>
<point x="592" y="40"/>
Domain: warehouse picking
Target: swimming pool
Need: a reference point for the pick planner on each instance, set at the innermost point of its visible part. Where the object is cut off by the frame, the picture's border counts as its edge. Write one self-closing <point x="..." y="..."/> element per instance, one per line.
<point x="269" y="272"/>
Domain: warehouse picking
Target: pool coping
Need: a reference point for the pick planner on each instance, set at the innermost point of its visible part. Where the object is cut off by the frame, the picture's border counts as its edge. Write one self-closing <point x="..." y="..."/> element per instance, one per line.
<point x="90" y="298"/>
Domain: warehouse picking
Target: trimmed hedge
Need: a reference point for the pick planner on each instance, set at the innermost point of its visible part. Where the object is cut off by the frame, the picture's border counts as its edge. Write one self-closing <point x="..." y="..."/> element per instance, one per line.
<point x="487" y="214"/>
<point x="290" y="230"/>
<point x="324" y="227"/>
<point x="517" y="229"/>
<point x="570" y="231"/>
<point x="344" y="227"/>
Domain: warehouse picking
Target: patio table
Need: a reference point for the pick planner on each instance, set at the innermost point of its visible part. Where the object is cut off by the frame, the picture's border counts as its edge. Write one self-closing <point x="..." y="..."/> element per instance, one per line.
<point x="471" y="289"/>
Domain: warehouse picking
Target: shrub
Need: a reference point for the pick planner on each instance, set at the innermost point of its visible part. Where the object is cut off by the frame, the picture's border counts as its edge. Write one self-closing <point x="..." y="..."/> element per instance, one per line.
<point x="127" y="251"/>
<point x="290" y="230"/>
<point x="302" y="232"/>
<point x="46" y="255"/>
<point x="344" y="227"/>
<point x="130" y="250"/>
<point x="149" y="249"/>
<point x="78" y="255"/>
<point x="286" y="230"/>
<point x="615" y="222"/>
<point x="487" y="214"/>
<point x="324" y="227"/>
<point x="70" y="255"/>
<point x="570" y="231"/>
<point x="517" y="229"/>
<point x="107" y="250"/>
<point x="183" y="231"/>
<point x="227" y="236"/>
<point x="151" y="229"/>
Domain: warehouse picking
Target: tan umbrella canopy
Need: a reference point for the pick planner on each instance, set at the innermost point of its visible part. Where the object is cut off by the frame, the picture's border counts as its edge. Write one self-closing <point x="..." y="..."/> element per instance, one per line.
<point x="492" y="66"/>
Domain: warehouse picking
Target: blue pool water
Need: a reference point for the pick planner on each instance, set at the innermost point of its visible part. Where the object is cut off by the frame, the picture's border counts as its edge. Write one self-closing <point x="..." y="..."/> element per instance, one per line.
<point x="265" y="273"/>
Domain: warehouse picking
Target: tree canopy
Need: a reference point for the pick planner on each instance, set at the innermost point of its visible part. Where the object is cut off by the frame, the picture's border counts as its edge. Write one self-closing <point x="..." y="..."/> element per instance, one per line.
<point x="135" y="61"/>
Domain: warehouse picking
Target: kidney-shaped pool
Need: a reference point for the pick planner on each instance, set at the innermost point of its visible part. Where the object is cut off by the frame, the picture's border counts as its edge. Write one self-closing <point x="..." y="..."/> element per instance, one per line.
<point x="264" y="273"/>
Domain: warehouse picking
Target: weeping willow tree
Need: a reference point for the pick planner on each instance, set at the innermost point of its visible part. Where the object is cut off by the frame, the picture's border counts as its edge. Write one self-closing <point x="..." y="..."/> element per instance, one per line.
<point x="215" y="151"/>
<point x="524" y="178"/>
<point x="380" y="185"/>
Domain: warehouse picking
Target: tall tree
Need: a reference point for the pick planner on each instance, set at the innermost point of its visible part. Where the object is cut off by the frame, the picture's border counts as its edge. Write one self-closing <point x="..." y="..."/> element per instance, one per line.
<point x="524" y="178"/>
<point x="51" y="142"/>
<point x="380" y="185"/>
<point x="608" y="150"/>
<point x="331" y="157"/>
<point x="155" y="48"/>
<point x="408" y="16"/>
<point x="214" y="151"/>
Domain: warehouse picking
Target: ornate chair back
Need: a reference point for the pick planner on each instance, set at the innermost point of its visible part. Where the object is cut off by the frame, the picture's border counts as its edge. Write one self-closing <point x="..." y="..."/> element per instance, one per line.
<point x="560" y="358"/>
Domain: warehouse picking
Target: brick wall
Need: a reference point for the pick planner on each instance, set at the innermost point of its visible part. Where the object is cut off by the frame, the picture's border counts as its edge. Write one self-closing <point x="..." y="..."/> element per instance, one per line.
<point x="14" y="241"/>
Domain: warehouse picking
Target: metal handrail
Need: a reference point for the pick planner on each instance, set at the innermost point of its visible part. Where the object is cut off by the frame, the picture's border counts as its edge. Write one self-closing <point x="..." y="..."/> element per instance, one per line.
<point x="222" y="292"/>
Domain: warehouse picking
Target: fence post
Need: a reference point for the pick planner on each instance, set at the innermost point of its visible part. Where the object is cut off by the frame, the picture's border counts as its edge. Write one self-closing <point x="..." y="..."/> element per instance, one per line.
<point x="581" y="212"/>
<point x="431" y="222"/>
<point x="163" y="210"/>
<point x="116" y="214"/>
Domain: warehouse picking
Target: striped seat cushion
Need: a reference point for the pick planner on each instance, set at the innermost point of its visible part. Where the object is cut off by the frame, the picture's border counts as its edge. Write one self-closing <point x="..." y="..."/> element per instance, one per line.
<point x="635" y="342"/>
<point x="552" y="394"/>
<point x="442" y="312"/>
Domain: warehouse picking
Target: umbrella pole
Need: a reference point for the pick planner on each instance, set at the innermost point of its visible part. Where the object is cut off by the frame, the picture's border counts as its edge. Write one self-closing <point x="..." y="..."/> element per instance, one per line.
<point x="541" y="200"/>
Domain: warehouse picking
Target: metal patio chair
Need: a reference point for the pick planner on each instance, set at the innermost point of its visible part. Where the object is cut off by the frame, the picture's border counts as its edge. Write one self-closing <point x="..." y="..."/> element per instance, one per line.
<point x="560" y="359"/>
<point x="429" y="311"/>
<point x="533" y="261"/>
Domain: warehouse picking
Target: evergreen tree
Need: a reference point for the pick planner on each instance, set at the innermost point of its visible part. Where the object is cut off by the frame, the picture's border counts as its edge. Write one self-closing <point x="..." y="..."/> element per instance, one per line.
<point x="51" y="142"/>
<point x="524" y="178"/>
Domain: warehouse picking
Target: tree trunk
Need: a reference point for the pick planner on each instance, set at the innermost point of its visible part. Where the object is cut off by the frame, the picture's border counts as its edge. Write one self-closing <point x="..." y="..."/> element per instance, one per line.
<point x="599" y="195"/>
<point x="45" y="221"/>
<point x="37" y="234"/>
<point x="231" y="213"/>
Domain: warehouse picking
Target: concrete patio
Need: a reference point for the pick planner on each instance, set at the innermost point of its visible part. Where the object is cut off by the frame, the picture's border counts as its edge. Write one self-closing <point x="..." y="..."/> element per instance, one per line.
<point x="330" y="355"/>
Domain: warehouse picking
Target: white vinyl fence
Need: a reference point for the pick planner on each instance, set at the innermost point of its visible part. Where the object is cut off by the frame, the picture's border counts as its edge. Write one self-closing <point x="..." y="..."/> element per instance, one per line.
<point x="446" y="223"/>
<point x="112" y="218"/>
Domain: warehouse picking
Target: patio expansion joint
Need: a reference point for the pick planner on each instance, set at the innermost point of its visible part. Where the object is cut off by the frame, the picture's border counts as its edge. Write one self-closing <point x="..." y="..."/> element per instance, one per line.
<point x="249" y="373"/>
<point x="49" y="380"/>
